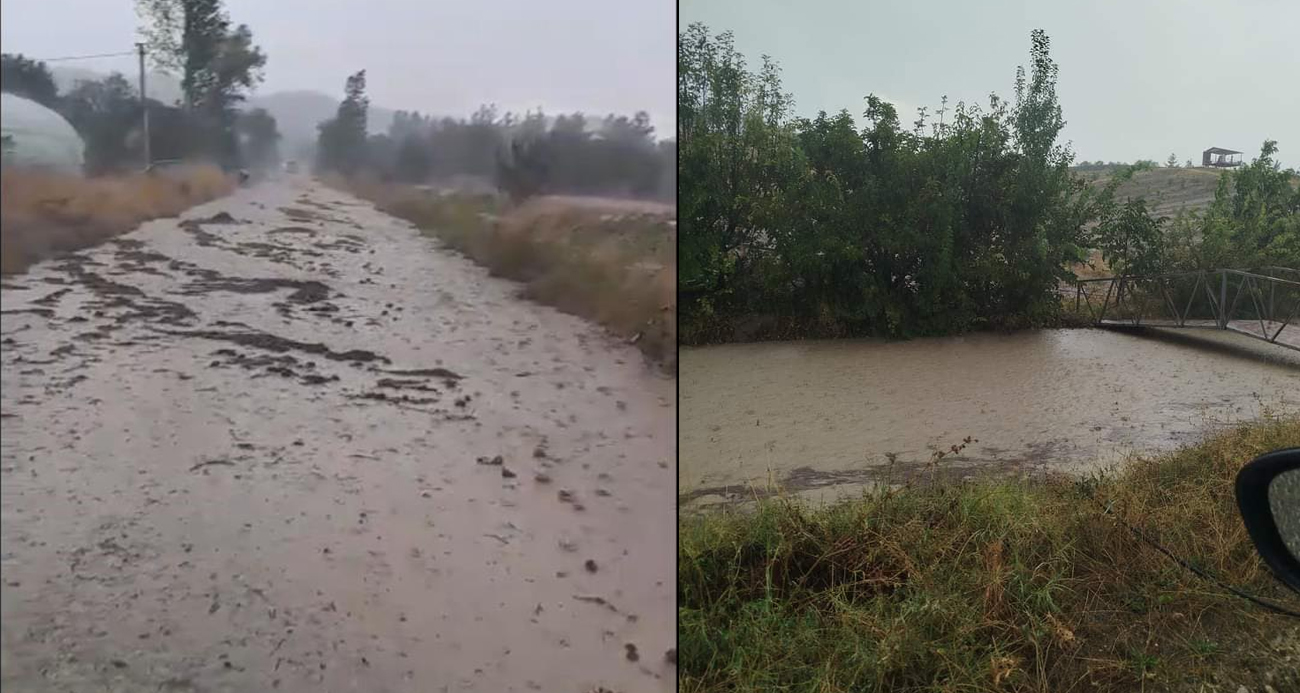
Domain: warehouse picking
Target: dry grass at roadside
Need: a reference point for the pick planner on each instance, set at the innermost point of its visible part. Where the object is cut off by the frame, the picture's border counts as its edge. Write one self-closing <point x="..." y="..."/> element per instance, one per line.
<point x="611" y="261"/>
<point x="43" y="214"/>
<point x="992" y="586"/>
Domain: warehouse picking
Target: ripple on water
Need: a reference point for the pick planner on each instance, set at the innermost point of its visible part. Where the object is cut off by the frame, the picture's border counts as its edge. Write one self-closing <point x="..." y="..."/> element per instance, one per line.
<point x="1061" y="400"/>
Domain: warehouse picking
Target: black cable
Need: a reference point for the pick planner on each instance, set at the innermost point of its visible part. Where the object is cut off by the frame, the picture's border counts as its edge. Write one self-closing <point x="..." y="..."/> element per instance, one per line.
<point x="83" y="57"/>
<point x="1204" y="575"/>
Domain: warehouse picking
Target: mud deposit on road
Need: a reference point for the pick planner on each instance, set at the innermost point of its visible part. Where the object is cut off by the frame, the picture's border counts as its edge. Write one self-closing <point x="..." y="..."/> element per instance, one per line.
<point x="271" y="449"/>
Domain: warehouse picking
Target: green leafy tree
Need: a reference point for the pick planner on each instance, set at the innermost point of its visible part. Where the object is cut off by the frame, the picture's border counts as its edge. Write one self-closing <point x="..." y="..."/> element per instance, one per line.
<point x="1172" y="161"/>
<point x="260" y="137"/>
<point x="523" y="167"/>
<point x="218" y="64"/>
<point x="106" y="113"/>
<point x="1131" y="240"/>
<point x="1256" y="214"/>
<point x="28" y="78"/>
<point x="341" y="144"/>
<point x="965" y="219"/>
<point x="414" y="161"/>
<point x="736" y="152"/>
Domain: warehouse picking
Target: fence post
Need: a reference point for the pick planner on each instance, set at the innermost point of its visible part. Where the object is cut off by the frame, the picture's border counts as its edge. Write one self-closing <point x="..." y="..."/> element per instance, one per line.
<point x="1223" y="300"/>
<point x="1272" y="291"/>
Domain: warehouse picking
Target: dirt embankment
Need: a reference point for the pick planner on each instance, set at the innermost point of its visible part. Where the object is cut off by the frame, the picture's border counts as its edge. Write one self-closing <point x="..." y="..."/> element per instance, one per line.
<point x="43" y="214"/>
<point x="612" y="261"/>
<point x="1167" y="191"/>
<point x="287" y="444"/>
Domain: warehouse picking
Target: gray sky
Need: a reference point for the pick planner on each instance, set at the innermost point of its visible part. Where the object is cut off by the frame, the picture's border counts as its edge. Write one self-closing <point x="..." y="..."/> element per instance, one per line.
<point x="441" y="57"/>
<point x="1139" y="78"/>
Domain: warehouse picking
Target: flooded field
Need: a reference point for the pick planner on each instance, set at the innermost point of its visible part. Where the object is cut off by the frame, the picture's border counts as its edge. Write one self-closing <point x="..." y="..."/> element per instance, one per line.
<point x="827" y="417"/>
<point x="291" y="444"/>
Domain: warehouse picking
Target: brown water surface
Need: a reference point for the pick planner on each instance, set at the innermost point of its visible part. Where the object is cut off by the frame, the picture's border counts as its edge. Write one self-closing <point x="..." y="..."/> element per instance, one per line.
<point x="820" y="415"/>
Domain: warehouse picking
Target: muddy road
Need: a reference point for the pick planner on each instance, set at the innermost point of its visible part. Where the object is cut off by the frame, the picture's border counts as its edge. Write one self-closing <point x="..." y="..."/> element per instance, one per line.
<point x="288" y="443"/>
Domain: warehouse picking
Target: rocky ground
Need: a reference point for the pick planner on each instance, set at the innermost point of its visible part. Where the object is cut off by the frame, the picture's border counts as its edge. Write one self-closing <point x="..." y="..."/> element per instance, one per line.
<point x="287" y="443"/>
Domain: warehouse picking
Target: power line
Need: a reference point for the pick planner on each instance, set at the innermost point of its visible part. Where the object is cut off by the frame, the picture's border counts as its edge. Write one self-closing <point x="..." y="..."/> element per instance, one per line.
<point x="83" y="57"/>
<point x="1275" y="608"/>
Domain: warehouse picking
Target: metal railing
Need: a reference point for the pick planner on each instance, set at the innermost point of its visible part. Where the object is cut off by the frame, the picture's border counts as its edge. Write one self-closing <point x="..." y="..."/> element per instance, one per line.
<point x="1261" y="303"/>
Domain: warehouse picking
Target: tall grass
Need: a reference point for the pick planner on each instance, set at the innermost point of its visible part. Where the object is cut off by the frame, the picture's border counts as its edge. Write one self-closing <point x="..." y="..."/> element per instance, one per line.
<point x="988" y="586"/>
<point x="43" y="213"/>
<point x="611" y="261"/>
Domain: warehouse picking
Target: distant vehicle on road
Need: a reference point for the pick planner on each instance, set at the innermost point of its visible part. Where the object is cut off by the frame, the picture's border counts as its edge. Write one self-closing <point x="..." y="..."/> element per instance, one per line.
<point x="291" y="166"/>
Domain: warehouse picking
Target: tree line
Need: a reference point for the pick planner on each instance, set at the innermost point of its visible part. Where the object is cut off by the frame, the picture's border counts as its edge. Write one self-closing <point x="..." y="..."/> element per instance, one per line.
<point x="522" y="155"/>
<point x="969" y="218"/>
<point x="218" y="63"/>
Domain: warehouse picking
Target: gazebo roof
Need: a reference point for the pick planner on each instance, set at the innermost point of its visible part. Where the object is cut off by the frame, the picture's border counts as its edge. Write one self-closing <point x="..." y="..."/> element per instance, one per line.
<point x="1220" y="150"/>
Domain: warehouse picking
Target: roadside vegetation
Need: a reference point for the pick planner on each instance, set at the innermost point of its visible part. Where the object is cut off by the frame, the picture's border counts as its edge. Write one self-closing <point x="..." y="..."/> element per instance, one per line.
<point x="971" y="218"/>
<point x="577" y="210"/>
<point x="520" y="155"/>
<point x="611" y="261"/>
<point x="43" y="214"/>
<point x="992" y="585"/>
<point x="218" y="63"/>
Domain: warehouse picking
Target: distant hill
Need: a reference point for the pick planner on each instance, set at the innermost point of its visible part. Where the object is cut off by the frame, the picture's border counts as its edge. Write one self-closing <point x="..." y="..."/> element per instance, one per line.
<point x="1167" y="190"/>
<point x="297" y="113"/>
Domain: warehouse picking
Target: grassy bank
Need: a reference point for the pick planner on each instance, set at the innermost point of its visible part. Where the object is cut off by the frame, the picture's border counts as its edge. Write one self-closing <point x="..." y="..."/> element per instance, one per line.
<point x="43" y="214"/>
<point x="611" y="261"/>
<point x="992" y="586"/>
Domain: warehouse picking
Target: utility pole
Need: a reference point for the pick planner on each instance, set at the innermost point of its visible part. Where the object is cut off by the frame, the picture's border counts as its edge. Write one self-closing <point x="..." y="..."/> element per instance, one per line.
<point x="144" y="109"/>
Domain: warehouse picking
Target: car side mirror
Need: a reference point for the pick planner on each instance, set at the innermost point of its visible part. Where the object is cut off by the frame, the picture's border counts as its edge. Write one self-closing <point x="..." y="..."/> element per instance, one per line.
<point x="1268" y="495"/>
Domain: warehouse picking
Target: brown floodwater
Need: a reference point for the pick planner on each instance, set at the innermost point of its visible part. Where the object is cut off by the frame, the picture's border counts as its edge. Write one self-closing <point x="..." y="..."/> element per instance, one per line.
<point x="827" y="417"/>
<point x="291" y="444"/>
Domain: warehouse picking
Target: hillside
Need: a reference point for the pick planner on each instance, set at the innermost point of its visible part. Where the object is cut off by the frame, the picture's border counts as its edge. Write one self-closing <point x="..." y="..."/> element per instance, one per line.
<point x="297" y="113"/>
<point x="1167" y="190"/>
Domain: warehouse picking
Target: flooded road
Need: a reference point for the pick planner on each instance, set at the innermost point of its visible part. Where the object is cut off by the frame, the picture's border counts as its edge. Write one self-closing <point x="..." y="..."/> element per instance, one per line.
<point x="290" y="444"/>
<point x="828" y="416"/>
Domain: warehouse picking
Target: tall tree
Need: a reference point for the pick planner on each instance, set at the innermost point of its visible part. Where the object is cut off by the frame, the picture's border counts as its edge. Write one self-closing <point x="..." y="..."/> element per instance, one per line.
<point x="260" y="138"/>
<point x="106" y="113"/>
<point x="523" y="167"/>
<point x="413" y="160"/>
<point x="883" y="230"/>
<point x="341" y="144"/>
<point x="28" y="78"/>
<point x="185" y="35"/>
<point x="218" y="65"/>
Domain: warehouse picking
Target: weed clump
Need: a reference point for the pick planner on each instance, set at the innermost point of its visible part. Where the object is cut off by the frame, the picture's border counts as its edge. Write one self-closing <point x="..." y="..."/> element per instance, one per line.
<point x="43" y="214"/>
<point x="611" y="261"/>
<point x="989" y="585"/>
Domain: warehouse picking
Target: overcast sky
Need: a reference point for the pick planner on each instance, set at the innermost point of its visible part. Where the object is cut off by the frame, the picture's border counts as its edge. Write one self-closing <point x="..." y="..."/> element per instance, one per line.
<point x="1139" y="78"/>
<point x="444" y="57"/>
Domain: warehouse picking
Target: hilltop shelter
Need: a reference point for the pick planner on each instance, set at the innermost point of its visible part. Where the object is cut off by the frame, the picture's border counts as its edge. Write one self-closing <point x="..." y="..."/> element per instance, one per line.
<point x="37" y="137"/>
<point x="1217" y="156"/>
